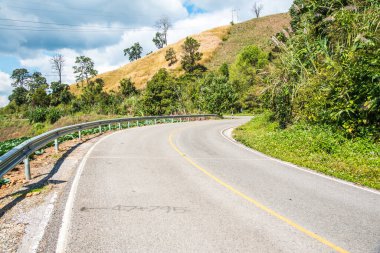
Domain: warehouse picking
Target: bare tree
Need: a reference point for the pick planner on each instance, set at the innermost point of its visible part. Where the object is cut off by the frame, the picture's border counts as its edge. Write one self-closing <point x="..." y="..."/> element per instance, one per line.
<point x="163" y="25"/>
<point x="257" y="8"/>
<point x="57" y="63"/>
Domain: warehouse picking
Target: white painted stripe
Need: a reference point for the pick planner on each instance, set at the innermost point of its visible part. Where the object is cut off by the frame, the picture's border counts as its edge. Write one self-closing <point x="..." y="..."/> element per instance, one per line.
<point x="227" y="134"/>
<point x="66" y="220"/>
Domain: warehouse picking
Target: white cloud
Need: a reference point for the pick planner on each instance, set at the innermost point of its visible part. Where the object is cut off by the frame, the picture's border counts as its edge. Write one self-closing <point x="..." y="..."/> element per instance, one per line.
<point x="5" y="88"/>
<point x="107" y="53"/>
<point x="111" y="57"/>
<point x="244" y="7"/>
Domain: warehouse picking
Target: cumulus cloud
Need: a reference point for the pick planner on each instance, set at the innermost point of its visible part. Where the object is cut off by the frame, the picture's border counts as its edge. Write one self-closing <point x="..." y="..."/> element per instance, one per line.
<point x="5" y="88"/>
<point x="111" y="57"/>
<point x="52" y="25"/>
<point x="74" y="28"/>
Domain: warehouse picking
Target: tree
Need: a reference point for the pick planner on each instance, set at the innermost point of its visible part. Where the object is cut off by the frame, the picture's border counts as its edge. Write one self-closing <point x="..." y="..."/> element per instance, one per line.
<point x="84" y="69"/>
<point x="170" y="56"/>
<point x="39" y="98"/>
<point x="60" y="93"/>
<point x="159" y="40"/>
<point x="93" y="93"/>
<point x="160" y="94"/>
<point x="257" y="8"/>
<point x="19" y="95"/>
<point x="127" y="88"/>
<point x="190" y="55"/>
<point x="163" y="25"/>
<point x="217" y="95"/>
<point x="57" y="63"/>
<point x="20" y="78"/>
<point x="37" y="81"/>
<point x="134" y="52"/>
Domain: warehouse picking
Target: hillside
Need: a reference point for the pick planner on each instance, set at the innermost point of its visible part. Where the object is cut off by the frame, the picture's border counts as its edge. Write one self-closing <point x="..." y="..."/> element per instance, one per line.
<point x="218" y="45"/>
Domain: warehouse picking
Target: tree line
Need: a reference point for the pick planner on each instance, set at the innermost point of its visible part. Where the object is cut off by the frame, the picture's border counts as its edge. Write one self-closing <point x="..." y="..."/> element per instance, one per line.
<point x="194" y="91"/>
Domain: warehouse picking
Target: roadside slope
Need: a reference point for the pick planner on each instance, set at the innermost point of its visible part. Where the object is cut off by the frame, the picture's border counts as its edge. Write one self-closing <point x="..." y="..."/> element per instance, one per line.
<point x="218" y="45"/>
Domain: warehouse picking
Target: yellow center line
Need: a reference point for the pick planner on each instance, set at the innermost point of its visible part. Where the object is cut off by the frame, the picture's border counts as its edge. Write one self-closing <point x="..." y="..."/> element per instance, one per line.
<point x="256" y="203"/>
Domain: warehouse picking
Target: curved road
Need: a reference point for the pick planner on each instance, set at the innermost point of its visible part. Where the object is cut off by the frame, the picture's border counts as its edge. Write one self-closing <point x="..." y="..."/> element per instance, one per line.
<point x="187" y="188"/>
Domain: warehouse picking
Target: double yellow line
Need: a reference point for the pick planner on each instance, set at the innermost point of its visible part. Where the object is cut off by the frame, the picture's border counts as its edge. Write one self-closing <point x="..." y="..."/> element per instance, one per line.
<point x="256" y="203"/>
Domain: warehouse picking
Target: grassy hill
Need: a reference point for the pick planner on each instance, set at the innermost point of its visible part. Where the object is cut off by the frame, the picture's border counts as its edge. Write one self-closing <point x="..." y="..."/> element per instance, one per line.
<point x="218" y="45"/>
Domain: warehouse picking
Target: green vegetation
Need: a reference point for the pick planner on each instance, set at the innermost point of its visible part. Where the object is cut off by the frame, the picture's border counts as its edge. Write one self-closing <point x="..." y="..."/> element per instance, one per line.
<point x="328" y="66"/>
<point x="318" y="147"/>
<point x="191" y="55"/>
<point x="319" y="79"/>
<point x="8" y="145"/>
<point x="134" y="52"/>
<point x="170" y="56"/>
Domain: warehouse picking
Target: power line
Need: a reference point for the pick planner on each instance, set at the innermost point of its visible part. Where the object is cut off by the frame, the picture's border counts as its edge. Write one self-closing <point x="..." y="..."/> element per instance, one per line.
<point x="66" y="27"/>
<point x="59" y="24"/>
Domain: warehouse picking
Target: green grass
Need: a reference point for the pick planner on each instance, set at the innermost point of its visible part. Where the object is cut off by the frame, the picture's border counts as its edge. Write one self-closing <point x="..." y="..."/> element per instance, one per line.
<point x="318" y="148"/>
<point x="257" y="31"/>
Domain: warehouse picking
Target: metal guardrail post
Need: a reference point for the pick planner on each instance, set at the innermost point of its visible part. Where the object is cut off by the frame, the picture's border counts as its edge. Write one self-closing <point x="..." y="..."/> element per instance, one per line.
<point x="155" y="121"/>
<point x="27" y="168"/>
<point x="100" y="129"/>
<point x="137" y="123"/>
<point x="128" y="125"/>
<point x="172" y="120"/>
<point x="56" y="145"/>
<point x="109" y="127"/>
<point x="80" y="135"/>
<point x="119" y="126"/>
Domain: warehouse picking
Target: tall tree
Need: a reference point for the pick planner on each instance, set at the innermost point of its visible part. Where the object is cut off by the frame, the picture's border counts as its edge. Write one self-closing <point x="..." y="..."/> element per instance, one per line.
<point x="37" y="81"/>
<point x="127" y="88"/>
<point x="159" y="40"/>
<point x="84" y="69"/>
<point x="170" y="56"/>
<point x="256" y="9"/>
<point x="191" y="55"/>
<point x="57" y="64"/>
<point x="19" y="95"/>
<point x="20" y="78"/>
<point x="134" y="52"/>
<point x="163" y="25"/>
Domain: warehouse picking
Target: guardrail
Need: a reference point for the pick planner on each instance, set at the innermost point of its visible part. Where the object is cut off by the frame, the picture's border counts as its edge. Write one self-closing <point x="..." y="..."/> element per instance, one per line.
<point x="22" y="152"/>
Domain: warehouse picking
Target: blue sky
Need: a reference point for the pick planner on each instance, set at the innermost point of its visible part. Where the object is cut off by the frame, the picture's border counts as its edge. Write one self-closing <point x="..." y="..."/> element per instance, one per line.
<point x="34" y="30"/>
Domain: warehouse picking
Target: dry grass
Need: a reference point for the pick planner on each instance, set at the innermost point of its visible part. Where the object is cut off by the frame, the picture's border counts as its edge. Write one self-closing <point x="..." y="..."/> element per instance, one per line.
<point x="142" y="70"/>
<point x="218" y="45"/>
<point x="12" y="128"/>
<point x="255" y="31"/>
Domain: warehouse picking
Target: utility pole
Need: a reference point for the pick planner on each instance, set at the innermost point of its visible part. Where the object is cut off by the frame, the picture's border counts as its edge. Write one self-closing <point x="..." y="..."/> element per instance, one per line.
<point x="237" y="15"/>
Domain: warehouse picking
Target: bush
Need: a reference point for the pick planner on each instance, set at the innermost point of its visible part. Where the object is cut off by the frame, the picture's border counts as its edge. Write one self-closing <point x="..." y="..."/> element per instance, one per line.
<point x="37" y="115"/>
<point x="217" y="95"/>
<point x="54" y="114"/>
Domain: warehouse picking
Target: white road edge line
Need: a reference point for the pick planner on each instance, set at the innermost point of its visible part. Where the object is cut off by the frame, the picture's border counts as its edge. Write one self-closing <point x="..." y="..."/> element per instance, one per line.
<point x="227" y="134"/>
<point x="66" y="219"/>
<point x="44" y="222"/>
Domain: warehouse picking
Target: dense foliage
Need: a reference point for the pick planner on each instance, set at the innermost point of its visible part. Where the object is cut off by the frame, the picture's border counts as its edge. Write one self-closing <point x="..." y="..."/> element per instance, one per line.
<point x="328" y="68"/>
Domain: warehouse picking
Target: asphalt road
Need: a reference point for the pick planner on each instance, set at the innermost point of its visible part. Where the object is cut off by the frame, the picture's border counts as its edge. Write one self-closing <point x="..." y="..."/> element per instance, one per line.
<point x="186" y="188"/>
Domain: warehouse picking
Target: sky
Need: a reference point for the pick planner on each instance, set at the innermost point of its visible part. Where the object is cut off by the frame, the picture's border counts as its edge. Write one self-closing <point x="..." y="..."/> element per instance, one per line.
<point x="32" y="31"/>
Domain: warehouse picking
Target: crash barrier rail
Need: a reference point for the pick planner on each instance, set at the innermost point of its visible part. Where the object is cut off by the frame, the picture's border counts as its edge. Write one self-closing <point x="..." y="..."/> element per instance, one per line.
<point x="22" y="152"/>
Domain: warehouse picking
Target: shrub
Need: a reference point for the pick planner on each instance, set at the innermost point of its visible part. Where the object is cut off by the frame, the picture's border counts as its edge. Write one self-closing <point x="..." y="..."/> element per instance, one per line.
<point x="37" y="115"/>
<point x="54" y="114"/>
